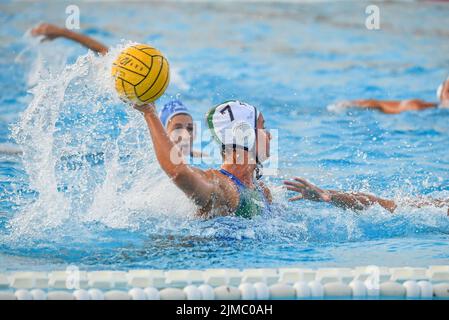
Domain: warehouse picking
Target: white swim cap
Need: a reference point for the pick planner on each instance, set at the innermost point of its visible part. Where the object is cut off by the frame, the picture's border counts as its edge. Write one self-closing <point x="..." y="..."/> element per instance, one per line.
<point x="234" y="123"/>
<point x="442" y="104"/>
<point x="440" y="88"/>
<point x="440" y="91"/>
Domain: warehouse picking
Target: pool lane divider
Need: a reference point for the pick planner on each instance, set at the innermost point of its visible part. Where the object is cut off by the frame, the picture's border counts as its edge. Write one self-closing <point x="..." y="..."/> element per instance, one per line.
<point x="367" y="282"/>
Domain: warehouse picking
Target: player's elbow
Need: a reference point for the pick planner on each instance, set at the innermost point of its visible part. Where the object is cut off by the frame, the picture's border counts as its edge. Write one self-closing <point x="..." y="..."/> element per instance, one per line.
<point x="173" y="164"/>
<point x="180" y="174"/>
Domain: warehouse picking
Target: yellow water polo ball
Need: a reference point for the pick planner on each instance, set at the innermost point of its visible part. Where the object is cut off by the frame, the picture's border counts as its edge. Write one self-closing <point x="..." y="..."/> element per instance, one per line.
<point x="141" y="74"/>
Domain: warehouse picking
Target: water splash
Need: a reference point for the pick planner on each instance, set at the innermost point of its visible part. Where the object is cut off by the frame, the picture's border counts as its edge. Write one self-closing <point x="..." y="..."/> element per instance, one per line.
<point x="87" y="155"/>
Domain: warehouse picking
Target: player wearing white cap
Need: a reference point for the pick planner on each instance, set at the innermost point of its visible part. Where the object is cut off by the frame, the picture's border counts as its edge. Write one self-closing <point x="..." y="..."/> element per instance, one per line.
<point x="234" y="188"/>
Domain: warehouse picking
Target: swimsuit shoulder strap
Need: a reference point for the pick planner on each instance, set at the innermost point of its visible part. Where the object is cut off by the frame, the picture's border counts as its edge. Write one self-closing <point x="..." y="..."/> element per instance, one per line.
<point x="249" y="203"/>
<point x="236" y="180"/>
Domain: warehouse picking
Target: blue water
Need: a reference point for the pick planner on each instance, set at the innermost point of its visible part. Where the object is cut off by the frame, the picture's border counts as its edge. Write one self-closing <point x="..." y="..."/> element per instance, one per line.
<point x="88" y="191"/>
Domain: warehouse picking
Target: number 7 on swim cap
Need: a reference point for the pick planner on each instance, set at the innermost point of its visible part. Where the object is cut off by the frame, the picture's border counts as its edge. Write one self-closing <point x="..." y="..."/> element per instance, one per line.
<point x="233" y="123"/>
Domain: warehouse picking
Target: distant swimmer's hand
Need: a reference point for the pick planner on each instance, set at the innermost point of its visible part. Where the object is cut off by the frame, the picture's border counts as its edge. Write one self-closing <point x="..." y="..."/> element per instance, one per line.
<point x="345" y="104"/>
<point x="307" y="191"/>
<point x="49" y="31"/>
<point x="340" y="106"/>
<point x="145" y="108"/>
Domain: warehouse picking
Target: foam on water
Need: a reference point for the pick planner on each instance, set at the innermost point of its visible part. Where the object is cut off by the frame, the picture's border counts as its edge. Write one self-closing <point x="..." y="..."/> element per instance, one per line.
<point x="87" y="155"/>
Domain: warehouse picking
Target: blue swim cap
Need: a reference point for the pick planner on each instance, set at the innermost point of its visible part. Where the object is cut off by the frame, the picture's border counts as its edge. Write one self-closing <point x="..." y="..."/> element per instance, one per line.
<point x="172" y="109"/>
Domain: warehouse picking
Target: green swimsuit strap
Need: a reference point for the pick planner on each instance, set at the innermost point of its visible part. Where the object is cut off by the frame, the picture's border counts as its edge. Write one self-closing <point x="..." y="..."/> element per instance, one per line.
<point x="251" y="201"/>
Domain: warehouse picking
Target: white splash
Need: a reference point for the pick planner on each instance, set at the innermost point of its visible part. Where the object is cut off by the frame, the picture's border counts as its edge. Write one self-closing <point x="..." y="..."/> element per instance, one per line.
<point x="339" y="107"/>
<point x="87" y="155"/>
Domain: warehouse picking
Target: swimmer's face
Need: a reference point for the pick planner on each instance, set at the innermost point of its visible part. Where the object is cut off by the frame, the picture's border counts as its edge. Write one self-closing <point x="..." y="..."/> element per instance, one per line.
<point x="180" y="129"/>
<point x="263" y="140"/>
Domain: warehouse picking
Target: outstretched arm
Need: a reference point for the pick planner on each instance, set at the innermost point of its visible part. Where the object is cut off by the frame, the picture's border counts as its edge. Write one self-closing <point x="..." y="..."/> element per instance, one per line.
<point x="439" y="203"/>
<point x="392" y="106"/>
<point x="50" y="32"/>
<point x="190" y="180"/>
<point x="354" y="201"/>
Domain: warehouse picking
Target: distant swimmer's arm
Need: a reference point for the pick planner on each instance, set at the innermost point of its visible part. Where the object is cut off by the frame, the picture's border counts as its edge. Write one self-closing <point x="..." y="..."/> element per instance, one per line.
<point x="423" y="202"/>
<point x="359" y="201"/>
<point x="191" y="181"/>
<point x="50" y="32"/>
<point x="390" y="107"/>
<point x="354" y="201"/>
<point x="393" y="106"/>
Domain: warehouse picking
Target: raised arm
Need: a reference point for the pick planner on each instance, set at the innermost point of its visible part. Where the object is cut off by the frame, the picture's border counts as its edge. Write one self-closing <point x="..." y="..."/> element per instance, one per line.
<point x="50" y="32"/>
<point x="192" y="181"/>
<point x="354" y="201"/>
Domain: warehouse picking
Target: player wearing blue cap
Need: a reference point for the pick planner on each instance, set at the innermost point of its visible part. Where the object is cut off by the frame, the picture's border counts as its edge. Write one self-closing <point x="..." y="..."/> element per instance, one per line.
<point x="178" y="123"/>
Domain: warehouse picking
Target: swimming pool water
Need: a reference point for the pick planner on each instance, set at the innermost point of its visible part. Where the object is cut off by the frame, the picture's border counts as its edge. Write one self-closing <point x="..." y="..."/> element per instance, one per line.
<point x="89" y="192"/>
